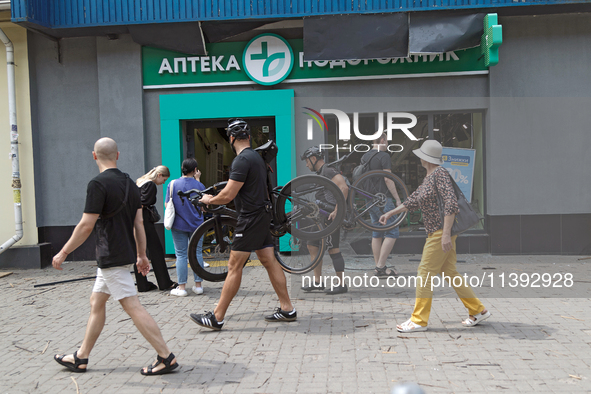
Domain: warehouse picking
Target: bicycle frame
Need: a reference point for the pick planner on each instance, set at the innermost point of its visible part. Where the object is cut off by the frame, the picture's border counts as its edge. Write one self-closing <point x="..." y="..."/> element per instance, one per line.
<point x="217" y="216"/>
<point x="376" y="200"/>
<point x="351" y="218"/>
<point x="281" y="229"/>
<point x="218" y="212"/>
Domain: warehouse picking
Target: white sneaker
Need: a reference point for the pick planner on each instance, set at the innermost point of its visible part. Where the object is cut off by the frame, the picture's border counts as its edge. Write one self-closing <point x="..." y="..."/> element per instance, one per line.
<point x="178" y="292"/>
<point x="197" y="290"/>
<point x="205" y="265"/>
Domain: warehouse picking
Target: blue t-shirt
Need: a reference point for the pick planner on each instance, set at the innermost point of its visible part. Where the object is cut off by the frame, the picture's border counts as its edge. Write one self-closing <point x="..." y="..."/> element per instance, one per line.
<point x="187" y="217"/>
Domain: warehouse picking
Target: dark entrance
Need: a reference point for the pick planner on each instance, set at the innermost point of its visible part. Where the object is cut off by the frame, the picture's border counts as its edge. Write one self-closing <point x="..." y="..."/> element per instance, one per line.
<point x="207" y="142"/>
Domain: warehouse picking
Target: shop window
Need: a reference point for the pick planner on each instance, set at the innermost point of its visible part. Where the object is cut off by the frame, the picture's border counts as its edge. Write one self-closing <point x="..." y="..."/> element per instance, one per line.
<point x="454" y="130"/>
<point x="464" y="130"/>
<point x="405" y="164"/>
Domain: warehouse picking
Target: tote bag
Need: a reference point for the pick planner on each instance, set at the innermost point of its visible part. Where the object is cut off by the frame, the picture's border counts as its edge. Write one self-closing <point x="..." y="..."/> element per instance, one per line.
<point x="169" y="209"/>
<point x="467" y="218"/>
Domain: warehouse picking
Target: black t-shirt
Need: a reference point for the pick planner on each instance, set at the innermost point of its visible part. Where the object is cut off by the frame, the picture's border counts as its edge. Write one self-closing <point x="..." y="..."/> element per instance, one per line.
<point x="249" y="167"/>
<point x="115" y="244"/>
<point x="379" y="161"/>
<point x="327" y="172"/>
<point x="148" y="192"/>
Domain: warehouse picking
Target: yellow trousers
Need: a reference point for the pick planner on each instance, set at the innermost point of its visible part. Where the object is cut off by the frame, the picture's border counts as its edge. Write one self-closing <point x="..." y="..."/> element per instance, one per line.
<point x="434" y="262"/>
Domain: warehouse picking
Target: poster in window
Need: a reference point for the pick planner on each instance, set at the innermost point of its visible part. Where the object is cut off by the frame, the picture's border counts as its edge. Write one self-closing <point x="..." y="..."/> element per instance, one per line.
<point x="460" y="164"/>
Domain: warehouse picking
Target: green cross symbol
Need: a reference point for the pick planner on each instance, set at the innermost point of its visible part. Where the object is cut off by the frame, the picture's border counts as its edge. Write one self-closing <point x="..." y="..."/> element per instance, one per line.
<point x="268" y="60"/>
<point x="491" y="40"/>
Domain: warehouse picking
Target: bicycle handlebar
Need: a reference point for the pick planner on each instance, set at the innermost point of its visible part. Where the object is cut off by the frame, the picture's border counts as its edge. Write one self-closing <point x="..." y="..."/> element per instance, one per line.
<point x="194" y="195"/>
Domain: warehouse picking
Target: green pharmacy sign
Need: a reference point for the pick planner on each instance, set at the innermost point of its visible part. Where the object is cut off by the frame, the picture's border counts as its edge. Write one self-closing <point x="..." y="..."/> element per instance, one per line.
<point x="491" y="40"/>
<point x="269" y="59"/>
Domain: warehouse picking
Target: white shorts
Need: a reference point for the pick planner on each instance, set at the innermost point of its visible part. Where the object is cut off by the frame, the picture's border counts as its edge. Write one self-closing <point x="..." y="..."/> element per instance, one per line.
<point x="116" y="281"/>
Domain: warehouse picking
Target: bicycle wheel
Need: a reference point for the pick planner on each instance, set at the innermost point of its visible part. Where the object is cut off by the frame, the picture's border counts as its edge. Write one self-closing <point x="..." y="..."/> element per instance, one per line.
<point x="313" y="198"/>
<point x="373" y="195"/>
<point x="294" y="256"/>
<point x="216" y="248"/>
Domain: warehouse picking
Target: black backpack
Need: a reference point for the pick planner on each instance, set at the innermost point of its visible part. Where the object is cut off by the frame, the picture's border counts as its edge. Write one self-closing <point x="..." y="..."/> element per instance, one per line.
<point x="362" y="168"/>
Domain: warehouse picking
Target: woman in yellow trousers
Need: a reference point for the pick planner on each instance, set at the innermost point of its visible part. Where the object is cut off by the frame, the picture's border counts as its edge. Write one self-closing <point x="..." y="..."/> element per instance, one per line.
<point x="439" y="253"/>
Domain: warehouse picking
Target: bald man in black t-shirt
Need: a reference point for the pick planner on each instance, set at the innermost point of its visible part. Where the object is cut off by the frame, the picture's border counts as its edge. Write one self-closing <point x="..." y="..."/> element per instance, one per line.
<point x="113" y="209"/>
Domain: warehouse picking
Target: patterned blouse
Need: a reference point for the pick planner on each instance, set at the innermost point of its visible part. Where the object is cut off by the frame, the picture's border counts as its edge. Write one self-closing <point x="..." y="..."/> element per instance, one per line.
<point x="425" y="198"/>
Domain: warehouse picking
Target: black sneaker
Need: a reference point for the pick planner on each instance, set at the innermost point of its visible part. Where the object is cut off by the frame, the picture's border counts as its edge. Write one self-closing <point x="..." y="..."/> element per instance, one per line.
<point x="281" y="315"/>
<point x="337" y="290"/>
<point x="314" y="286"/>
<point x="207" y="320"/>
<point x="385" y="272"/>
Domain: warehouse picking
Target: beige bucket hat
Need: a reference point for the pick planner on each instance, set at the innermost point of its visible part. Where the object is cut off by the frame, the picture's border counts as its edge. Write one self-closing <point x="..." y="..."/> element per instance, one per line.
<point x="430" y="151"/>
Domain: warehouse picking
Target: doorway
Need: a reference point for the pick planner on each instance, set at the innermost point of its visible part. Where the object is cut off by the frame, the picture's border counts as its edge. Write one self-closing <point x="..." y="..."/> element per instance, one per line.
<point x="208" y="143"/>
<point x="176" y="110"/>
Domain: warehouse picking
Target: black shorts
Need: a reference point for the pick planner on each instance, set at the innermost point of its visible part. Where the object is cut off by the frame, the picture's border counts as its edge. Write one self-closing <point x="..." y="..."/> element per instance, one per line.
<point x="253" y="232"/>
<point x="332" y="241"/>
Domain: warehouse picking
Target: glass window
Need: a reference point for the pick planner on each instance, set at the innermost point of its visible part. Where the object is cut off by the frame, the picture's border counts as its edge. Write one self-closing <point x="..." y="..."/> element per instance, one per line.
<point x="456" y="130"/>
<point x="464" y="130"/>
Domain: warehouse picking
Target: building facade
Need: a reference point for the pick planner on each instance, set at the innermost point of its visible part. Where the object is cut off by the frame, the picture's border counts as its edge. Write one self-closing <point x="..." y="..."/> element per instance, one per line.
<point x="163" y="95"/>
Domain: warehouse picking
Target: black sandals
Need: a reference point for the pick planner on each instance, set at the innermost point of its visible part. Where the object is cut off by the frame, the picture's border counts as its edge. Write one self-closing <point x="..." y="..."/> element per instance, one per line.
<point x="168" y="367"/>
<point x="74" y="367"/>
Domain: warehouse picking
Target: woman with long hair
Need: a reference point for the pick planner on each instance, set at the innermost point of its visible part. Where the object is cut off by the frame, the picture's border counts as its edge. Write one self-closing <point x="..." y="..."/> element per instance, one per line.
<point x="186" y="220"/>
<point x="148" y="185"/>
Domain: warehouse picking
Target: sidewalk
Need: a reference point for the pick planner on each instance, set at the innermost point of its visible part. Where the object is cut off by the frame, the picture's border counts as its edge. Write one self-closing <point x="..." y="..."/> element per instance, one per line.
<point x="345" y="343"/>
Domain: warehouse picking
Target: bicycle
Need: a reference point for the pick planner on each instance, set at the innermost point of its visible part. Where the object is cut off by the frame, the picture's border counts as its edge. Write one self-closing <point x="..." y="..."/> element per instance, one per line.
<point x="296" y="216"/>
<point x="372" y="193"/>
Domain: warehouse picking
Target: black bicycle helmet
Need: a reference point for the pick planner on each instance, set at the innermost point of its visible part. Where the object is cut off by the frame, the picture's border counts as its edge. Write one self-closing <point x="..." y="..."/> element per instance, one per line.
<point x="311" y="151"/>
<point x="238" y="128"/>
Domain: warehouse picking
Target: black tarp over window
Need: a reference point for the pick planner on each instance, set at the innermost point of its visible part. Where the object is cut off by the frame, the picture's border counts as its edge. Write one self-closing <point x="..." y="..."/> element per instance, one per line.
<point x="432" y="33"/>
<point x="375" y="36"/>
<point x="345" y="37"/>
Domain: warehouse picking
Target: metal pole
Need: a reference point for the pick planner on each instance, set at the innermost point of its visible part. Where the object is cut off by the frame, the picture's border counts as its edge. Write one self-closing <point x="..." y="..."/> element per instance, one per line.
<point x="16" y="180"/>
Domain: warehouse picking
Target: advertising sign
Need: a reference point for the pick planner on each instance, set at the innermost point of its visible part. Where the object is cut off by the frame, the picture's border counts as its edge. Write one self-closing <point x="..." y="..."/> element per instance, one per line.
<point x="268" y="59"/>
<point x="460" y="165"/>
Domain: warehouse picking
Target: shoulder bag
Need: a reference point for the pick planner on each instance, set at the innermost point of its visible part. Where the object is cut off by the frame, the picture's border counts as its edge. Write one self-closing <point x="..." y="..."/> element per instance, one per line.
<point x="466" y="218"/>
<point x="362" y="168"/>
<point x="153" y="215"/>
<point x="169" y="212"/>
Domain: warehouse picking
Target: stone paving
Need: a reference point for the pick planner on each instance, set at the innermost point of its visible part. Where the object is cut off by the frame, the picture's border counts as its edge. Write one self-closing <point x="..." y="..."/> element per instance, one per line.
<point x="345" y="343"/>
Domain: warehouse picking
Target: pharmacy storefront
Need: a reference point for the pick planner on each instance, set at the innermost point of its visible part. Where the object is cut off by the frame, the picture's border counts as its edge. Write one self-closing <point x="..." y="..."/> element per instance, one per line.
<point x="515" y="134"/>
<point x="336" y="104"/>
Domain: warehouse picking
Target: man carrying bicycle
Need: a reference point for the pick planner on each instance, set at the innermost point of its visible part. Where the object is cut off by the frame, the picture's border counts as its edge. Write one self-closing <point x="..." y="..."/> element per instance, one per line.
<point x="247" y="186"/>
<point x="313" y="158"/>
